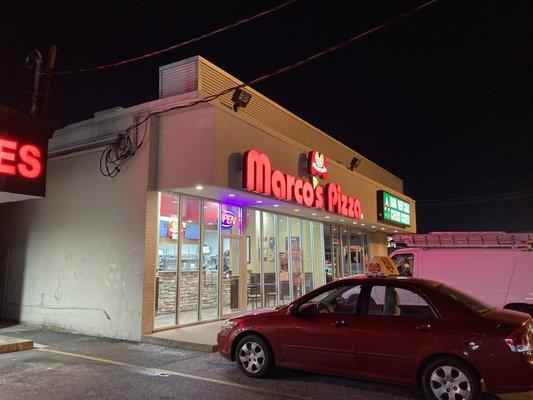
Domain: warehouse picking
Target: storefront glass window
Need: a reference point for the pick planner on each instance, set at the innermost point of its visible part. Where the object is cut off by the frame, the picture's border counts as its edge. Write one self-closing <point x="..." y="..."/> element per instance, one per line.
<point x="366" y="249"/>
<point x="253" y="259"/>
<point x="231" y="282"/>
<point x="328" y="257"/>
<point x="318" y="253"/>
<point x="189" y="268"/>
<point x="230" y="219"/>
<point x="356" y="252"/>
<point x="167" y="261"/>
<point x="210" y="270"/>
<point x="296" y="258"/>
<point x="270" y="256"/>
<point x="346" y="266"/>
<point x="283" y="260"/>
<point x="307" y="255"/>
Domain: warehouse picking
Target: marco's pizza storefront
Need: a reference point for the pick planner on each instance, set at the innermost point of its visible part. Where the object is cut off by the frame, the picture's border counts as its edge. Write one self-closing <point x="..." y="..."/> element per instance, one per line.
<point x="221" y="251"/>
<point x="219" y="211"/>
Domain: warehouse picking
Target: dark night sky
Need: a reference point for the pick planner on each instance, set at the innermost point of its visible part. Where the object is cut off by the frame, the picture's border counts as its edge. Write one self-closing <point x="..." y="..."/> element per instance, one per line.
<point x="443" y="99"/>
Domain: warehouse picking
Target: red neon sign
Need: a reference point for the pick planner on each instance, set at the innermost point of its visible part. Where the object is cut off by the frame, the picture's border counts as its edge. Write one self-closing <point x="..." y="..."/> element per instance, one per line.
<point x="24" y="160"/>
<point x="258" y="176"/>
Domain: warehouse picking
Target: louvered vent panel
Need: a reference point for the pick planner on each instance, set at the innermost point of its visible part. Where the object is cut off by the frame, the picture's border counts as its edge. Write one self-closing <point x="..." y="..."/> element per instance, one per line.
<point x="178" y="78"/>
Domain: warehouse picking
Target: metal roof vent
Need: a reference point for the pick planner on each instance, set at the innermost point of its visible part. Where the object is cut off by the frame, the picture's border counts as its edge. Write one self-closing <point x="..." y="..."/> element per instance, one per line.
<point x="178" y="78"/>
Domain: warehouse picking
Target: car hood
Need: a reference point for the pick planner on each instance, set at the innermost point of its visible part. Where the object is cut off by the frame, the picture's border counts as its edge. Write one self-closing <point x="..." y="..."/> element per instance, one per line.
<point x="261" y="311"/>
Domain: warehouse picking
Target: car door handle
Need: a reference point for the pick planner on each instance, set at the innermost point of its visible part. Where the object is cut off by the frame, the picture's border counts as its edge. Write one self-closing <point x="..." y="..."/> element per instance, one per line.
<point x="339" y="324"/>
<point x="423" y="327"/>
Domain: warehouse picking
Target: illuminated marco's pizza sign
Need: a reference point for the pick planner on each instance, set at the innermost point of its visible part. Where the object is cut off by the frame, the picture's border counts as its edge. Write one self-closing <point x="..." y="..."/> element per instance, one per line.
<point x="259" y="177"/>
<point x="20" y="159"/>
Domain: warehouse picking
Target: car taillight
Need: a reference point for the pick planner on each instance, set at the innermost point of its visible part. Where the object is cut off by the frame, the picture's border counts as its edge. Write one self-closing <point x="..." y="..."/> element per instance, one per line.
<point x="521" y="340"/>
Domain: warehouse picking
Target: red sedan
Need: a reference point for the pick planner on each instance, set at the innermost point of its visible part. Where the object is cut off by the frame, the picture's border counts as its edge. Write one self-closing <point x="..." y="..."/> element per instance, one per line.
<point x="401" y="330"/>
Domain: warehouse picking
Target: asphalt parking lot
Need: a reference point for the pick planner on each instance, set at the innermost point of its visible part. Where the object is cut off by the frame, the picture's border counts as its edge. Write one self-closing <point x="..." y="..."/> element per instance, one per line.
<point x="68" y="366"/>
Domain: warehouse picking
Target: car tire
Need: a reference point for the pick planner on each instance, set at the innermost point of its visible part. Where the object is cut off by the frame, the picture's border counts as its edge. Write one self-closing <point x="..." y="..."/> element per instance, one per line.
<point x="447" y="378"/>
<point x="254" y="356"/>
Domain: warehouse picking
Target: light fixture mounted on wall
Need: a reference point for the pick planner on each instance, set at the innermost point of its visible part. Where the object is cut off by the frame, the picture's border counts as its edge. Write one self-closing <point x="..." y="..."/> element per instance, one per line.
<point x="240" y="98"/>
<point x="354" y="163"/>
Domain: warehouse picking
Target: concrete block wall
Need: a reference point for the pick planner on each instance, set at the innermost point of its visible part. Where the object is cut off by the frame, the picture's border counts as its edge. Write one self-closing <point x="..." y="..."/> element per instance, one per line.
<point x="77" y="256"/>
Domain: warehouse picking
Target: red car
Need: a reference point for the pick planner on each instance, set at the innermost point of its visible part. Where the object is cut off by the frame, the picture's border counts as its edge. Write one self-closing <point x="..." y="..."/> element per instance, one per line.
<point x="402" y="330"/>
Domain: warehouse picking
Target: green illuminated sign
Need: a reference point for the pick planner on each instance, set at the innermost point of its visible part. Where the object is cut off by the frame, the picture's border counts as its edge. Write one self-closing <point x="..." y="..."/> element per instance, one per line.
<point x="393" y="209"/>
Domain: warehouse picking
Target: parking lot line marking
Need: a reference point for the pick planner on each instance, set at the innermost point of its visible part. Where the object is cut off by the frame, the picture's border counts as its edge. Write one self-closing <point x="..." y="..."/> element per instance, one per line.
<point x="174" y="373"/>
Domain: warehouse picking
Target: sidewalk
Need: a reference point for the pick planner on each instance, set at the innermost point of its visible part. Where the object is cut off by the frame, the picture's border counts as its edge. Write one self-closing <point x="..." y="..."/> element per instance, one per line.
<point x="202" y="337"/>
<point x="10" y="344"/>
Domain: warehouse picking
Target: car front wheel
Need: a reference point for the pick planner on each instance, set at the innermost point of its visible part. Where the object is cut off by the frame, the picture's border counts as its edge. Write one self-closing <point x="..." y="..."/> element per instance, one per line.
<point x="254" y="356"/>
<point x="450" y="379"/>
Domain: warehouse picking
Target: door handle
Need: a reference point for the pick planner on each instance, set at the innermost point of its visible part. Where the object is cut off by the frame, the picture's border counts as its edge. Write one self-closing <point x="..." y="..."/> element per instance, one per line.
<point x="339" y="324"/>
<point x="424" y="327"/>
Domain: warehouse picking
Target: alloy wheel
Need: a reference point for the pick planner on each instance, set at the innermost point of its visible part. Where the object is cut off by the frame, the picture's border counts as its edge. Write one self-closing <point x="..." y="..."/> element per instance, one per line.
<point x="450" y="383"/>
<point x="252" y="357"/>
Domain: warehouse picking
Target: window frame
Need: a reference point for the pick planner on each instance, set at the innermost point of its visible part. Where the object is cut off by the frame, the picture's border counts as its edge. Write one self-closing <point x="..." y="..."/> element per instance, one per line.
<point x="335" y="286"/>
<point x="367" y="290"/>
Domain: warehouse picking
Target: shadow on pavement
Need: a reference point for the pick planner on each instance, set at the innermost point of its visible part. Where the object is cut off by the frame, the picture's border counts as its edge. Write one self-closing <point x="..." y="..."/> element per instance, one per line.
<point x="370" y="386"/>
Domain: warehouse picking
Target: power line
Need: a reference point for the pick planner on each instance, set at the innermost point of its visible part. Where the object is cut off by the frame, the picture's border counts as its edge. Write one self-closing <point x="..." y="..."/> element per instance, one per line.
<point x="473" y="200"/>
<point x="175" y="46"/>
<point x="116" y="154"/>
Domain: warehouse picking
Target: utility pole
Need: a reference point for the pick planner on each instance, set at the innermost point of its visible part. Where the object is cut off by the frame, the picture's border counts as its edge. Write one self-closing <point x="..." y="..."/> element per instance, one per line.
<point x="35" y="56"/>
<point x="50" y="65"/>
<point x="41" y="100"/>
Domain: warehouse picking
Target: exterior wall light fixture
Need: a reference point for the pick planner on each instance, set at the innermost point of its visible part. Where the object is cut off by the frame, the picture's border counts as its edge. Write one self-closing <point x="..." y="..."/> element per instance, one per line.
<point x="240" y="98"/>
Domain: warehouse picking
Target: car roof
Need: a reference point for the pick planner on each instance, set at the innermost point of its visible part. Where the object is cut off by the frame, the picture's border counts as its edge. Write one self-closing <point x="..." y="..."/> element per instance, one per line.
<point x="380" y="279"/>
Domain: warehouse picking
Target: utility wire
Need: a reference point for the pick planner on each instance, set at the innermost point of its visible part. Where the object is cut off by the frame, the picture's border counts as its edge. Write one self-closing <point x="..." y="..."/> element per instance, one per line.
<point x="461" y="201"/>
<point x="175" y="46"/>
<point x="116" y="154"/>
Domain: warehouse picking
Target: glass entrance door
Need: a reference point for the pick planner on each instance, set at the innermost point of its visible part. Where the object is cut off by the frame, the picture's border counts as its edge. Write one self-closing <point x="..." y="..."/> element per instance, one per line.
<point x="336" y="257"/>
<point x="231" y="274"/>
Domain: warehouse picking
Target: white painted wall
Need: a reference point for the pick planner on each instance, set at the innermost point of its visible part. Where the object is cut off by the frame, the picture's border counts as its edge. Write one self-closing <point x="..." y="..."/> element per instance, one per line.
<point x="77" y="255"/>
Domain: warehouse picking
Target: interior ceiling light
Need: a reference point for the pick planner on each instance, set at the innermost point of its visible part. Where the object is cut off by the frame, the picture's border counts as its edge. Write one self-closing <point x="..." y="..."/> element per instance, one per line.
<point x="231" y="195"/>
<point x="259" y="201"/>
<point x="296" y="210"/>
<point x="199" y="187"/>
<point x="240" y="99"/>
<point x="275" y="205"/>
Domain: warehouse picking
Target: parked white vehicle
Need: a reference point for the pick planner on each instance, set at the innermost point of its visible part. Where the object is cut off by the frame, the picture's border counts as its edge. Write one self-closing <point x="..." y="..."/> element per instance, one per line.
<point x="496" y="267"/>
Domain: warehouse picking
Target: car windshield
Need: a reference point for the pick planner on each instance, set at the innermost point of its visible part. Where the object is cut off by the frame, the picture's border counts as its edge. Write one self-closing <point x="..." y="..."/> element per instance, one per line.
<point x="464" y="299"/>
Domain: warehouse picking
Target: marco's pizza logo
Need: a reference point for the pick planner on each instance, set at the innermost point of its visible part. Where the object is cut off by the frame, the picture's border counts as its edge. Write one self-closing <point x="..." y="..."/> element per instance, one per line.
<point x="317" y="166"/>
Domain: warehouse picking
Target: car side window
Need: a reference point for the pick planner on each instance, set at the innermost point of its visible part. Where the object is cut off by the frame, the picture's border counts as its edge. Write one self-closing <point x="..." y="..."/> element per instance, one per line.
<point x="339" y="300"/>
<point x="398" y="302"/>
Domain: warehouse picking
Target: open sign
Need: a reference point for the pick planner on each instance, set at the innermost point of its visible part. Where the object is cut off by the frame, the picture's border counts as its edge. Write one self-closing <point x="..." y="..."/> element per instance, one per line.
<point x="227" y="219"/>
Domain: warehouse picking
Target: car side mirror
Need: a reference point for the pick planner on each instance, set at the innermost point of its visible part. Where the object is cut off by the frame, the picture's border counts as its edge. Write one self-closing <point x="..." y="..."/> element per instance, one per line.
<point x="306" y="309"/>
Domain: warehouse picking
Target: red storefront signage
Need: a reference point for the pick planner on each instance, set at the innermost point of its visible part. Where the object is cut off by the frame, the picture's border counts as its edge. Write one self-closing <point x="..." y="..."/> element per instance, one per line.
<point x="258" y="176"/>
<point x="22" y="159"/>
<point x="23" y="154"/>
